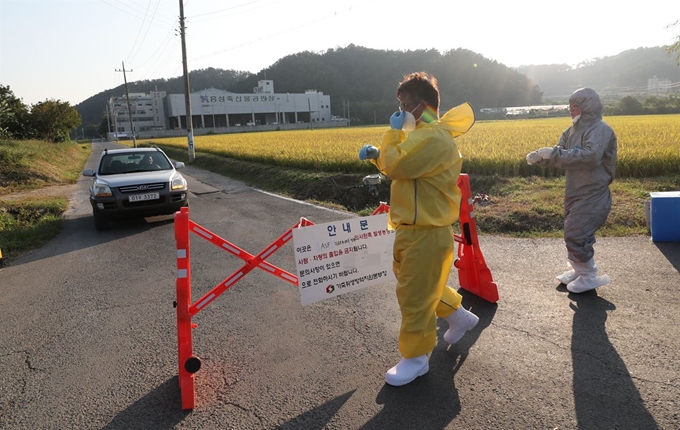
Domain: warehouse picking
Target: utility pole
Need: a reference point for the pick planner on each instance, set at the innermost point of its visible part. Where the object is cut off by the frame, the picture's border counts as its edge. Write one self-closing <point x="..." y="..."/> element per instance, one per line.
<point x="349" y="118"/>
<point x="108" y="122"/>
<point x="127" y="96"/>
<point x="114" y="117"/>
<point x="187" y="94"/>
<point x="309" y="105"/>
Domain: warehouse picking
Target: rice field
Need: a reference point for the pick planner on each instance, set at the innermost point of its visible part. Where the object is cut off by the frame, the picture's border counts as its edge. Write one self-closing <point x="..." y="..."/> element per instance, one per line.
<point x="648" y="145"/>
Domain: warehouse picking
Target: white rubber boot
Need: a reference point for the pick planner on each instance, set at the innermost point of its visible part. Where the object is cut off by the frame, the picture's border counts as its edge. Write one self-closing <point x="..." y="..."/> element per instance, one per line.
<point x="570" y="275"/>
<point x="567" y="276"/>
<point x="407" y="370"/>
<point x="460" y="321"/>
<point x="587" y="277"/>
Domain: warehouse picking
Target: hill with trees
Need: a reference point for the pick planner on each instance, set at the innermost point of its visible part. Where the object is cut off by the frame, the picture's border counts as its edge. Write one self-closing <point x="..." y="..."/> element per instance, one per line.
<point x="366" y="79"/>
<point x="614" y="77"/>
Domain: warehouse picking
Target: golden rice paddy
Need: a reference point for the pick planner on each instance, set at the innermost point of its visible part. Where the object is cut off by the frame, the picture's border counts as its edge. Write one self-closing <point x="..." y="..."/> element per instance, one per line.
<point x="648" y="145"/>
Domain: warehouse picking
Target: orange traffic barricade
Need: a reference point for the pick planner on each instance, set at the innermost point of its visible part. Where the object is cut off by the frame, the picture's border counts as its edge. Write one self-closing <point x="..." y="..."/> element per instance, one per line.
<point x="189" y="363"/>
<point x="473" y="274"/>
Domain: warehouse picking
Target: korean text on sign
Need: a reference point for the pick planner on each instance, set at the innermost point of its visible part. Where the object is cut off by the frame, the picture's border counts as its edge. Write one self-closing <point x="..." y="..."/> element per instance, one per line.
<point x="339" y="257"/>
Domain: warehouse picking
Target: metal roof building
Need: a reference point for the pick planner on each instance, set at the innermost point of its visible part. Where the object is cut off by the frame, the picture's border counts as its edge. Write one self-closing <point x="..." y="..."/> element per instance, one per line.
<point x="212" y="109"/>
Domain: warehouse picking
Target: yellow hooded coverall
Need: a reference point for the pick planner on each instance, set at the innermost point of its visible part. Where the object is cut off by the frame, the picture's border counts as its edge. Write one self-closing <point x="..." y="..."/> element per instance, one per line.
<point x="425" y="201"/>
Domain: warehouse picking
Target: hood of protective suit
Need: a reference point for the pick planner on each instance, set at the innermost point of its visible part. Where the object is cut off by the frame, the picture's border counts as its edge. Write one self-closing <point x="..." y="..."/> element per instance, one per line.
<point x="589" y="103"/>
<point x="458" y="120"/>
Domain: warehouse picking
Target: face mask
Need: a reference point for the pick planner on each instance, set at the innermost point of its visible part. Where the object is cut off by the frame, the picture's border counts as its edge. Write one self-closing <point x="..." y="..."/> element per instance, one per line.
<point x="574" y="119"/>
<point x="410" y="120"/>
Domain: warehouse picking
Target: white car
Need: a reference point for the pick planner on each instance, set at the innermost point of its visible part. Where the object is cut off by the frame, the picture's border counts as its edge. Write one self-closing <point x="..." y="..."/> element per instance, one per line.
<point x="135" y="182"/>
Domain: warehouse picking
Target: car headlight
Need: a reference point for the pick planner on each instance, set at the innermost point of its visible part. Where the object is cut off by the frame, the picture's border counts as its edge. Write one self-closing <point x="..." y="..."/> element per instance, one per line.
<point x="178" y="183"/>
<point x="101" y="190"/>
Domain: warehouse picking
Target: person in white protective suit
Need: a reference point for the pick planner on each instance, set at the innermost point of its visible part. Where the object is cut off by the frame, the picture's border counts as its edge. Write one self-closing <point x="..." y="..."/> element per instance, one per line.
<point x="587" y="153"/>
<point x="424" y="166"/>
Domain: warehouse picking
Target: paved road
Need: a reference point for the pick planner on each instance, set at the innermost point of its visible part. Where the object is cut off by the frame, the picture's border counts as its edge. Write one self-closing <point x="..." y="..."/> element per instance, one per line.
<point x="88" y="336"/>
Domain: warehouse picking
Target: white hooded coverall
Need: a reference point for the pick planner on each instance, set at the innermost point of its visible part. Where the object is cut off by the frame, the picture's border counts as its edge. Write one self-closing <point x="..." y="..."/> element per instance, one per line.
<point x="587" y="153"/>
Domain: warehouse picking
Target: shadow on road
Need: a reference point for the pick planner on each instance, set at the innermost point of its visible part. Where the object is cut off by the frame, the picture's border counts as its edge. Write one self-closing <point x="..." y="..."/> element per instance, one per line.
<point x="318" y="417"/>
<point x="604" y="393"/>
<point x="671" y="251"/>
<point x="431" y="401"/>
<point x="165" y="403"/>
<point x="74" y="236"/>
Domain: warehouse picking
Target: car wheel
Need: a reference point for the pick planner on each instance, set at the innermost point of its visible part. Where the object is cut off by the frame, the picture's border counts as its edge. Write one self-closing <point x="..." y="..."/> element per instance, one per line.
<point x="100" y="223"/>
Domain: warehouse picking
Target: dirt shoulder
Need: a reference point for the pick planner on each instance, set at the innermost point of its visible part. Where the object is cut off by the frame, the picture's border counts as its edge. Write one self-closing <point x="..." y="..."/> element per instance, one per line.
<point x="51" y="191"/>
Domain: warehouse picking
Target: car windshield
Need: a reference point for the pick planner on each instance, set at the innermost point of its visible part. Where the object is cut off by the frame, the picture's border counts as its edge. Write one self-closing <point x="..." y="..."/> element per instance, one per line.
<point x="130" y="162"/>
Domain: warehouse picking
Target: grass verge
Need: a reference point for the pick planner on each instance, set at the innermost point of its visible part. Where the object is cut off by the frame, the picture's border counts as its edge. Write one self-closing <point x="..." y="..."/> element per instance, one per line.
<point x="29" y="221"/>
<point x="31" y="164"/>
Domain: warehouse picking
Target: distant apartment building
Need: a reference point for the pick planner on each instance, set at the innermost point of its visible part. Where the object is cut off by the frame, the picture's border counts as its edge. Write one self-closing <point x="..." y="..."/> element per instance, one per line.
<point x="213" y="109"/>
<point x="657" y="85"/>
<point x="148" y="112"/>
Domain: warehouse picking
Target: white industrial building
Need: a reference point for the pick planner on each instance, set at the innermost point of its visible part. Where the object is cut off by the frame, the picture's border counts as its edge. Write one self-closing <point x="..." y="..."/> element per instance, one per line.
<point x="158" y="114"/>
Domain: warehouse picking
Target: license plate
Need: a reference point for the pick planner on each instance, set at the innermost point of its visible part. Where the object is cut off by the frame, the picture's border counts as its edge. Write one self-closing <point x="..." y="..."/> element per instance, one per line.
<point x="142" y="197"/>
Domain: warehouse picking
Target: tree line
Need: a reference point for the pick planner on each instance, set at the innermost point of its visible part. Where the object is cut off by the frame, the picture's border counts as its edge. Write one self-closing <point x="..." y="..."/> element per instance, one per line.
<point x="362" y="84"/>
<point x="626" y="73"/>
<point x="360" y="80"/>
<point x="50" y="120"/>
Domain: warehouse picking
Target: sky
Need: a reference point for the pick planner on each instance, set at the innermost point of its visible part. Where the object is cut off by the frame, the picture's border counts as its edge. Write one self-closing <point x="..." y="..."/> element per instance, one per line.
<point x="70" y="50"/>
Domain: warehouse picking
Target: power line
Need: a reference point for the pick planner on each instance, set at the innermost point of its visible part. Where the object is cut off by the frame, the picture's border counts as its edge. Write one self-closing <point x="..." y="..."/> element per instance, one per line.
<point x="147" y="29"/>
<point x="291" y="29"/>
<point x="228" y="9"/>
<point x="220" y="13"/>
<point x="165" y="50"/>
<point x="130" y="11"/>
<point x="140" y="29"/>
<point x="153" y="21"/>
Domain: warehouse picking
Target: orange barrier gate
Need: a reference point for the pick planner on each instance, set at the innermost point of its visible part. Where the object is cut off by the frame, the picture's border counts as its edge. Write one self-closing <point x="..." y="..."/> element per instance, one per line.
<point x="473" y="274"/>
<point x="188" y="362"/>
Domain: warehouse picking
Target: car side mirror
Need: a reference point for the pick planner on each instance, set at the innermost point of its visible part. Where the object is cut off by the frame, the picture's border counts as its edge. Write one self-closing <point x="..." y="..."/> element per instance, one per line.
<point x="88" y="172"/>
<point x="179" y="165"/>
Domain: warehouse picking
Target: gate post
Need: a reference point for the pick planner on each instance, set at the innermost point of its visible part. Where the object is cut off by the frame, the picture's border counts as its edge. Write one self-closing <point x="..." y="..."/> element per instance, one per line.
<point x="188" y="363"/>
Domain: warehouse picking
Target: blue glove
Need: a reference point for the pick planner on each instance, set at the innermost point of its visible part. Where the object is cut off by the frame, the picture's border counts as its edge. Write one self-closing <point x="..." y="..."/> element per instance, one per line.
<point x="369" y="151"/>
<point x="397" y="120"/>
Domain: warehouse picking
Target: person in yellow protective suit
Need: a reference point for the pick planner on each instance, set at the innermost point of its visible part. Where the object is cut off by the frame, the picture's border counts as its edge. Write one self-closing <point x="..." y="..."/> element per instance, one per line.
<point x="424" y="166"/>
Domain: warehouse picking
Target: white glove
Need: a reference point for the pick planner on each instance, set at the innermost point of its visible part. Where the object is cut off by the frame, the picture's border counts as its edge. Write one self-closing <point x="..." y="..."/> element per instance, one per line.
<point x="545" y="152"/>
<point x="533" y="158"/>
